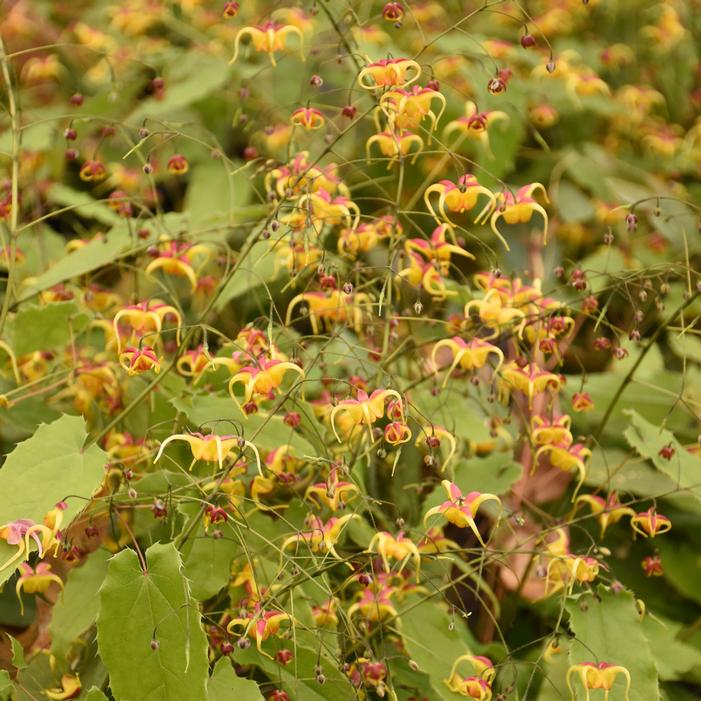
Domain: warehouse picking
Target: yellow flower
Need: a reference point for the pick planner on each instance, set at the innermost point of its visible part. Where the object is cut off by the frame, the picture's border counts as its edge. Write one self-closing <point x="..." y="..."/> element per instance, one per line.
<point x="211" y="447"/>
<point x="70" y="688"/>
<point x="460" y="509"/>
<point x="389" y="72"/>
<point x="601" y="675"/>
<point x="519" y="208"/>
<point x="269" y="38"/>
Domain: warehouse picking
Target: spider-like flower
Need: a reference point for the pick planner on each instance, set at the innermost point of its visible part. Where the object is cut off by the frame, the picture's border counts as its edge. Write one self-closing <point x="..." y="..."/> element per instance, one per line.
<point x="469" y="355"/>
<point x="530" y="380"/>
<point x="320" y="537"/>
<point x="33" y="580"/>
<point x="477" y="685"/>
<point x="145" y="318"/>
<point x="210" y="447"/>
<point x="262" y="379"/>
<point x="139" y="360"/>
<point x="389" y="72"/>
<point x="649" y="523"/>
<point x="519" y="208"/>
<point x="494" y="313"/>
<point x="331" y="308"/>
<point x="407" y="108"/>
<point x="259" y="624"/>
<point x="399" y="547"/>
<point x="459" y="198"/>
<point x="45" y="535"/>
<point x="598" y="675"/>
<point x="365" y="410"/>
<point x="309" y="118"/>
<point x="461" y="509"/>
<point x="178" y="258"/>
<point x="69" y="689"/>
<point x="475" y="124"/>
<point x="269" y="38"/>
<point x="395" y="145"/>
<point x="608" y="511"/>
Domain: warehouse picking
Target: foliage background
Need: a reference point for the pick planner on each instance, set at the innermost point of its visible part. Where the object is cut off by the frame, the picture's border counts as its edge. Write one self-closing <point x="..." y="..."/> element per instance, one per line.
<point x="612" y="132"/>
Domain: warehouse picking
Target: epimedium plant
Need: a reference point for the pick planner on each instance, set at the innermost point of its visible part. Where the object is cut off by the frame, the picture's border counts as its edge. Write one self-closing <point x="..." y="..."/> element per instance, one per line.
<point x="349" y="350"/>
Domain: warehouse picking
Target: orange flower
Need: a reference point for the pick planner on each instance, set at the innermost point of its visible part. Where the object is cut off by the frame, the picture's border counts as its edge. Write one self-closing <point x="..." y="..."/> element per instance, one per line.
<point x="139" y="360"/>
<point x="601" y="675"/>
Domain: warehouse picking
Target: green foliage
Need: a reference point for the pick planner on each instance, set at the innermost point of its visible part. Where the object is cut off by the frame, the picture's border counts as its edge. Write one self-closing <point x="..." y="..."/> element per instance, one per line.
<point x="148" y="628"/>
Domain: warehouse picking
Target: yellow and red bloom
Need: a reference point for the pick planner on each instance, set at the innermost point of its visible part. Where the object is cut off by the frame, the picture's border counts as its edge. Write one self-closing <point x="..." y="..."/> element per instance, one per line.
<point x="608" y="511"/>
<point x="93" y="171"/>
<point x="652" y="566"/>
<point x="259" y="624"/>
<point x="331" y="210"/>
<point x="601" y="675"/>
<point x="375" y="603"/>
<point x="582" y="401"/>
<point x="566" y="458"/>
<point x="395" y="145"/>
<point x="566" y="569"/>
<point x="263" y="379"/>
<point x="145" y="318"/>
<point x="494" y="313"/>
<point x="178" y="258"/>
<point x="139" y="360"/>
<point x="437" y="249"/>
<point x="530" y="380"/>
<point x="178" y="164"/>
<point x="406" y="109"/>
<point x="459" y="197"/>
<point x="399" y="548"/>
<point x="546" y="431"/>
<point x="519" y="208"/>
<point x="478" y="685"/>
<point x="333" y="493"/>
<point x="35" y="580"/>
<point x="194" y="362"/>
<point x="320" y="537"/>
<point x="210" y="447"/>
<point x="389" y="72"/>
<point x="269" y="38"/>
<point x="309" y="118"/>
<point x="365" y="410"/>
<point x="650" y="524"/>
<point x="333" y="307"/>
<point x="45" y="535"/>
<point x="475" y="124"/>
<point x="69" y="689"/>
<point x="461" y="509"/>
<point x="396" y="433"/>
<point x="469" y="355"/>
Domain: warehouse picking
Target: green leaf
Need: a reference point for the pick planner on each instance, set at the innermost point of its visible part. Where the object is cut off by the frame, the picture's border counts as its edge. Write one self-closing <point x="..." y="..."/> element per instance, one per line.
<point x="83" y="204"/>
<point x="261" y="266"/>
<point x="683" y="467"/>
<point x="17" y="653"/>
<point x="43" y="328"/>
<point x="682" y="567"/>
<point x="207" y="560"/>
<point x="607" y="628"/>
<point x="148" y="629"/>
<point x="213" y="194"/>
<point x="299" y="680"/>
<point x="49" y="467"/>
<point x="673" y="657"/>
<point x="95" y="694"/>
<point x="6" y="685"/>
<point x="224" y="685"/>
<point x="432" y="642"/>
<point x="75" y="612"/>
<point x="193" y="76"/>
